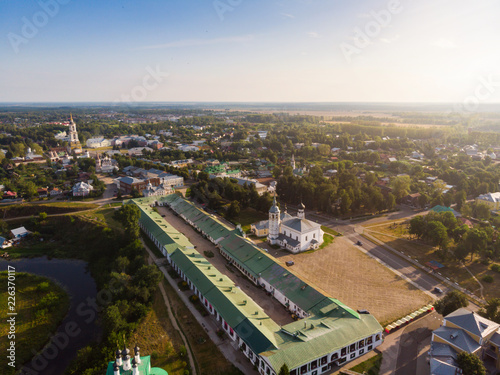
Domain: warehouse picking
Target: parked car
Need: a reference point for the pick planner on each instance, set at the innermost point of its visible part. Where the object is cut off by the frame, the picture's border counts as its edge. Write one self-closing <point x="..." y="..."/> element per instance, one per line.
<point x="290" y="263"/>
<point x="359" y="243"/>
<point x="438" y="290"/>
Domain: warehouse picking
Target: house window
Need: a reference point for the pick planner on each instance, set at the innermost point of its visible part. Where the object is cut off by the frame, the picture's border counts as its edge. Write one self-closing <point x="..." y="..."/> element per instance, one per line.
<point x="314" y="235"/>
<point x="343" y="352"/>
<point x="314" y="365"/>
<point x="352" y="348"/>
<point x="293" y="372"/>
<point x="334" y="357"/>
<point x="324" y="360"/>
<point x="303" y="369"/>
<point x="361" y="344"/>
<point x="377" y="337"/>
<point x="306" y="238"/>
<point x="353" y="355"/>
<point x="369" y="340"/>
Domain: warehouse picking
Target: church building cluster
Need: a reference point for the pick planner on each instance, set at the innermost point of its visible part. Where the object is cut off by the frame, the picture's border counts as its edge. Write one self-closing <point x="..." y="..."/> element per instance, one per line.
<point x="294" y="233"/>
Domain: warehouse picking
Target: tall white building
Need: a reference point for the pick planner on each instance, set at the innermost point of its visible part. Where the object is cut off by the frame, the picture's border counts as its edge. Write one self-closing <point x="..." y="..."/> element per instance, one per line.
<point x="73" y="134"/>
<point x="74" y="142"/>
<point x="294" y="233"/>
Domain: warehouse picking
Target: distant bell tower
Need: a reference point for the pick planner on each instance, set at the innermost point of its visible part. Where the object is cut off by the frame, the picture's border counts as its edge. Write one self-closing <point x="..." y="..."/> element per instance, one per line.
<point x="293" y="161"/>
<point x="274" y="221"/>
<point x="73" y="134"/>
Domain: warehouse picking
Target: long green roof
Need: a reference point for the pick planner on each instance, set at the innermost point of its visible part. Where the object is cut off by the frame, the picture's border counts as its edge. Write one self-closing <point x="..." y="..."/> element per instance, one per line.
<point x="168" y="237"/>
<point x="330" y="326"/>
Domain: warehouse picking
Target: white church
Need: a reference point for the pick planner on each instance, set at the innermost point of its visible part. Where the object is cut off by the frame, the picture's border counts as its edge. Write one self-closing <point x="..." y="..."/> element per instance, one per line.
<point x="294" y="233"/>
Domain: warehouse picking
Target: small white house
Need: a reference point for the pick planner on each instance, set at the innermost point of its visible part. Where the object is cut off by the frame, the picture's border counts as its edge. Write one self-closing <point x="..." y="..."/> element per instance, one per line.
<point x="82" y="189"/>
<point x="19" y="232"/>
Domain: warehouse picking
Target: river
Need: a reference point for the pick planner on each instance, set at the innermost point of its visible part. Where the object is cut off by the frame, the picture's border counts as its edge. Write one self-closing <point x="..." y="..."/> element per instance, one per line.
<point x="79" y="327"/>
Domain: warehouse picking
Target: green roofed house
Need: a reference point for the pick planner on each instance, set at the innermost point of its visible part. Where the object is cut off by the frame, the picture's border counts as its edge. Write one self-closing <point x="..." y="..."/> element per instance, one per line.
<point x="124" y="365"/>
<point x="328" y="332"/>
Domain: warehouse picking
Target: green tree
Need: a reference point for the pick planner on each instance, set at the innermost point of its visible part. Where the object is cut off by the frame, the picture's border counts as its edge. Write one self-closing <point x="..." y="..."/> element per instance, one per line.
<point x="418" y="226"/>
<point x="491" y="310"/>
<point x="401" y="187"/>
<point x="129" y="216"/>
<point x="470" y="364"/>
<point x="475" y="240"/>
<point x="451" y="302"/>
<point x="284" y="370"/>
<point x="234" y="210"/>
<point x="436" y="232"/>
<point x="482" y="211"/>
<point x="42" y="215"/>
<point x="390" y="202"/>
<point x="29" y="189"/>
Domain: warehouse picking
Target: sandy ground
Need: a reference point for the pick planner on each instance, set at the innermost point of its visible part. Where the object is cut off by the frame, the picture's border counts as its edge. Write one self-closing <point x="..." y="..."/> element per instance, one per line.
<point x="357" y="280"/>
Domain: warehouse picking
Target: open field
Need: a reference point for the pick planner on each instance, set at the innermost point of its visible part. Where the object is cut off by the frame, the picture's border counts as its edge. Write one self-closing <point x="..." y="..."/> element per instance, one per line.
<point x="157" y="337"/>
<point x="396" y="236"/>
<point x="40" y="304"/>
<point x="357" y="280"/>
<point x="27" y="209"/>
<point x="104" y="215"/>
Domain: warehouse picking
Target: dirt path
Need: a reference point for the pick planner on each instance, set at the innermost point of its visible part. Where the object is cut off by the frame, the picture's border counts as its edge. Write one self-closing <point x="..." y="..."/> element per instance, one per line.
<point x="171" y="315"/>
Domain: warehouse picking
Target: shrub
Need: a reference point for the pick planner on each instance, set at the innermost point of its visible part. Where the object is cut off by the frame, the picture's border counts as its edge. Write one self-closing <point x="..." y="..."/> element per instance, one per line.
<point x="487" y="278"/>
<point x="154" y="355"/>
<point x="42" y="287"/>
<point x="495" y="267"/>
<point x="209" y="254"/>
<point x="193" y="298"/>
<point x="182" y="351"/>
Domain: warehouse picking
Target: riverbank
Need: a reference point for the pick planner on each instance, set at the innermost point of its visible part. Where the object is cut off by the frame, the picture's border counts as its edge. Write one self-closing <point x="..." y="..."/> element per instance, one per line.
<point x="41" y="305"/>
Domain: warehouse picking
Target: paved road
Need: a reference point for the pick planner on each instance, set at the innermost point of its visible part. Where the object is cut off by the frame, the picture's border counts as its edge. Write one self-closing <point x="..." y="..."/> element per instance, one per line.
<point x="414" y="345"/>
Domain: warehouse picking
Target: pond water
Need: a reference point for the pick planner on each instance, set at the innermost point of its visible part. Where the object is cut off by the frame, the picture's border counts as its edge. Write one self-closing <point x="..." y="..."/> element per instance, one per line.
<point x="79" y="327"/>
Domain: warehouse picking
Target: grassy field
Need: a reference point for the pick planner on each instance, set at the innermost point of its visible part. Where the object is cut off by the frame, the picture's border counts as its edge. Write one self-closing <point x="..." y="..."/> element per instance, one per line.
<point x="330" y="231"/>
<point x="20" y="210"/>
<point x="157" y="337"/>
<point x="395" y="234"/>
<point x="249" y="216"/>
<point x="103" y="215"/>
<point x="370" y="366"/>
<point x="208" y="357"/>
<point x="40" y="305"/>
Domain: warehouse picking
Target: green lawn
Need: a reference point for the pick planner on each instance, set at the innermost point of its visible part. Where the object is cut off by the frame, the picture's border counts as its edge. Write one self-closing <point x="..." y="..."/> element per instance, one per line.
<point x="249" y="216"/>
<point x="330" y="230"/>
<point x="370" y="366"/>
<point x="40" y="304"/>
<point x="104" y="215"/>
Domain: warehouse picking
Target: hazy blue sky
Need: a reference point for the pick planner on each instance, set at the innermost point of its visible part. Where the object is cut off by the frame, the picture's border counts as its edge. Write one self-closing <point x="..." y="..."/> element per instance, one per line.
<point x="253" y="50"/>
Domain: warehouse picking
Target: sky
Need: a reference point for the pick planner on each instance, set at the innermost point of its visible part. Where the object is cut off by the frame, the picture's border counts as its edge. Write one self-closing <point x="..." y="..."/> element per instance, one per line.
<point x="250" y="50"/>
